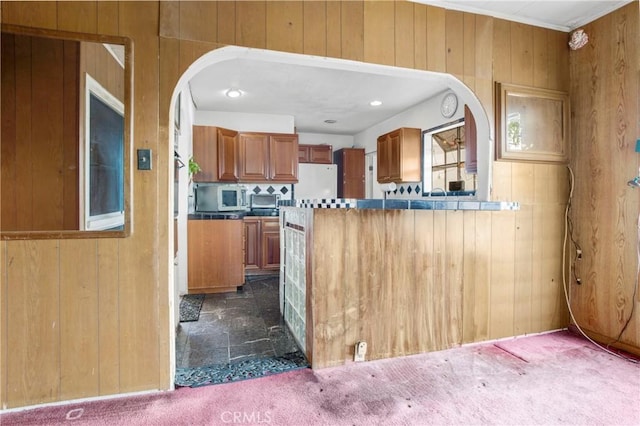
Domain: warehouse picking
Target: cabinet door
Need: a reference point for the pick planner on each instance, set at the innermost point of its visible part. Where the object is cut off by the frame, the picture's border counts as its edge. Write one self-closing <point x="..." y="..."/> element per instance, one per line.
<point x="383" y="159"/>
<point x="270" y="244"/>
<point x="283" y="158"/>
<point x="470" y="142"/>
<point x="394" y="156"/>
<point x="320" y="154"/>
<point x="353" y="173"/>
<point x="304" y="152"/>
<point x="252" y="234"/>
<point x="215" y="255"/>
<point x="254" y="157"/>
<point x="205" y="153"/>
<point x="227" y="155"/>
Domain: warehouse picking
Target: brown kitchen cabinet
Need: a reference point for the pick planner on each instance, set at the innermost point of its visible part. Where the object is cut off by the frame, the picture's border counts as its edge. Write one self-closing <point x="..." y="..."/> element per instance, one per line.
<point x="283" y="155"/>
<point x="252" y="243"/>
<point x="215" y="255"/>
<point x="399" y="156"/>
<point x="265" y="157"/>
<point x="262" y="245"/>
<point x="318" y="154"/>
<point x="254" y="157"/>
<point x="215" y="149"/>
<point x="350" y="162"/>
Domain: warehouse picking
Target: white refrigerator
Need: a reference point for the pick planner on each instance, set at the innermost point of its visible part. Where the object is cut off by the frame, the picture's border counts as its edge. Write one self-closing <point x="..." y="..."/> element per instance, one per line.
<point x="316" y="181"/>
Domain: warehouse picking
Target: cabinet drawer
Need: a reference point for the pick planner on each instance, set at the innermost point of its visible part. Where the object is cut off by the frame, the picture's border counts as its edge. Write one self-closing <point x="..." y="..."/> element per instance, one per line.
<point x="270" y="225"/>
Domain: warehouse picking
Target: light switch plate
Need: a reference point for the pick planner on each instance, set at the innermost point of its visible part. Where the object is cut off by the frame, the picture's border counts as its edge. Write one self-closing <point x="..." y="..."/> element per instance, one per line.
<point x="144" y="159"/>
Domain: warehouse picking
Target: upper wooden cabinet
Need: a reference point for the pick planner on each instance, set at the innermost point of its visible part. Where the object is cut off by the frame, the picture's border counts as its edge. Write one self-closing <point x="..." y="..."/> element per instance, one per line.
<point x="216" y="151"/>
<point x="350" y="163"/>
<point x="254" y="157"/>
<point x="319" y="154"/>
<point x="283" y="154"/>
<point x="229" y="156"/>
<point x="268" y="157"/>
<point x="399" y="156"/>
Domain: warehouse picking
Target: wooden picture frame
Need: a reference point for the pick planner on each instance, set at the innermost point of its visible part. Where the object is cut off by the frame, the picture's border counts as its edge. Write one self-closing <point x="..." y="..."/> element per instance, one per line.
<point x="531" y="124"/>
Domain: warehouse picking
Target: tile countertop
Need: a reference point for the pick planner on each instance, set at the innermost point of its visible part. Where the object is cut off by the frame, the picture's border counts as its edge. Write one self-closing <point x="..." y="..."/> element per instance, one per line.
<point x="394" y="204"/>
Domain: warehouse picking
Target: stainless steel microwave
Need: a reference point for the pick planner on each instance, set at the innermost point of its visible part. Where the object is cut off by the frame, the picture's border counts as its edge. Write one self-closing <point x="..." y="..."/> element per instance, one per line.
<point x="217" y="197"/>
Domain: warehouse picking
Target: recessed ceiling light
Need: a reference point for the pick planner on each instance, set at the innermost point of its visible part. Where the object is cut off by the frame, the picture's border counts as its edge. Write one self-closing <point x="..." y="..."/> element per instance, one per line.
<point x="375" y="103"/>
<point x="330" y="121"/>
<point x="233" y="93"/>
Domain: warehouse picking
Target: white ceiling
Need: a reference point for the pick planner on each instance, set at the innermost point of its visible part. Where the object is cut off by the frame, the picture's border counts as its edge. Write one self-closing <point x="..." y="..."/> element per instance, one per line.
<point x="312" y="92"/>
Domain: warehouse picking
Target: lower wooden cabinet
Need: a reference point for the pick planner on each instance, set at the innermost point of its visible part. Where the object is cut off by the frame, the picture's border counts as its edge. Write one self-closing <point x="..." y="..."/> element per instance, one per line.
<point x="262" y="245"/>
<point x="215" y="255"/>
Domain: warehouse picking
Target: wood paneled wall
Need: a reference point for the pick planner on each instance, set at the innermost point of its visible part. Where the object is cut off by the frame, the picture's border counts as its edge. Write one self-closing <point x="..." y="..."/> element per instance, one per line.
<point x="40" y="95"/>
<point x="605" y="89"/>
<point x="412" y="281"/>
<point x="90" y="317"/>
<point x="126" y="314"/>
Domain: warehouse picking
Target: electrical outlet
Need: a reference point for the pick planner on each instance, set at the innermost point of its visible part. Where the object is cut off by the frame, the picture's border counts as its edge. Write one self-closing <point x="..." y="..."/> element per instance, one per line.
<point x="578" y="254"/>
<point x="361" y="351"/>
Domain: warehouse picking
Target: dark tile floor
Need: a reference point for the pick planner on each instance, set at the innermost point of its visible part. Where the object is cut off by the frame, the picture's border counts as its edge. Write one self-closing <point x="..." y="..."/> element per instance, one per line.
<point x="235" y="327"/>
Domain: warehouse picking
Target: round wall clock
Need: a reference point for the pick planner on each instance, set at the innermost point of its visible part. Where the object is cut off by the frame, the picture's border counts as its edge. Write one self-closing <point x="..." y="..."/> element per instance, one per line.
<point x="449" y="105"/>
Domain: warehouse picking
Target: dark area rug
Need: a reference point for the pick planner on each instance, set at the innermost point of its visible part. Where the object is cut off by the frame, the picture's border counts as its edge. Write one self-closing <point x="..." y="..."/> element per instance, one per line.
<point x="249" y="369"/>
<point x="190" y="306"/>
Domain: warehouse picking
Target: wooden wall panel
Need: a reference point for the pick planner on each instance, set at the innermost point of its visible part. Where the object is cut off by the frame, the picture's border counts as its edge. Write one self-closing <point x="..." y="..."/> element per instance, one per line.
<point x="436" y="39"/>
<point x="198" y="20"/>
<point x="399" y="268"/>
<point x="424" y="330"/>
<point x="502" y="290"/>
<point x="33" y="370"/>
<point x="284" y="26"/>
<point x="454" y="34"/>
<point x="139" y="274"/>
<point x="108" y="17"/>
<point x="41" y="14"/>
<point x="352" y="283"/>
<point x="79" y="333"/>
<point x="226" y="22"/>
<point x="604" y="93"/>
<point x="80" y="16"/>
<point x="251" y="24"/>
<point x="107" y="262"/>
<point x="334" y="36"/>
<point x="420" y="36"/>
<point x="314" y="38"/>
<point x="470" y="51"/>
<point x="379" y="45"/>
<point x="372" y="268"/>
<point x="328" y="287"/>
<point x="404" y="35"/>
<point x="351" y="30"/>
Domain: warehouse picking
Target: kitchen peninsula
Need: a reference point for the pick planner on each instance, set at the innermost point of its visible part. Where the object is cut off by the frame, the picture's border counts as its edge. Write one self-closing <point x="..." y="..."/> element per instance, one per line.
<point x="404" y="276"/>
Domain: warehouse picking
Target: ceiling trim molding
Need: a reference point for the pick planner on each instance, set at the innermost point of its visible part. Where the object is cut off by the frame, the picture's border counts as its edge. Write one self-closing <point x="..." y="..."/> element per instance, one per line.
<point x="453" y="5"/>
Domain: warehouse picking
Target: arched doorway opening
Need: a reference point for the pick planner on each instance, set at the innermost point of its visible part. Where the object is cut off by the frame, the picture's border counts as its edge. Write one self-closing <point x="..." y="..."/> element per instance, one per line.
<point x="289" y="84"/>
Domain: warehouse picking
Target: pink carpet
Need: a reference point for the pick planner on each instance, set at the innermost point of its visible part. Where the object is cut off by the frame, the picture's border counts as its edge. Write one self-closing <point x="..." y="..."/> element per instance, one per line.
<point x="552" y="379"/>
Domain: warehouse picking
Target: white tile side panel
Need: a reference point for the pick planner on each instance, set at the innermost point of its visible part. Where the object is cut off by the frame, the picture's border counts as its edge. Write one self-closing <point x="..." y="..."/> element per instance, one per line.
<point x="293" y="271"/>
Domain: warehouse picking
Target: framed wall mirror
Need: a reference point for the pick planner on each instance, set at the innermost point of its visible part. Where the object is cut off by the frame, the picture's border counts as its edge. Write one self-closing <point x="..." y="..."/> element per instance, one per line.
<point x="531" y="124"/>
<point x="66" y="134"/>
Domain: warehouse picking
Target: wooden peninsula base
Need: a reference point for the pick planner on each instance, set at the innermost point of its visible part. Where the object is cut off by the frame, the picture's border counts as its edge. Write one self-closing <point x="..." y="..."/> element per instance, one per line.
<point x="411" y="281"/>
